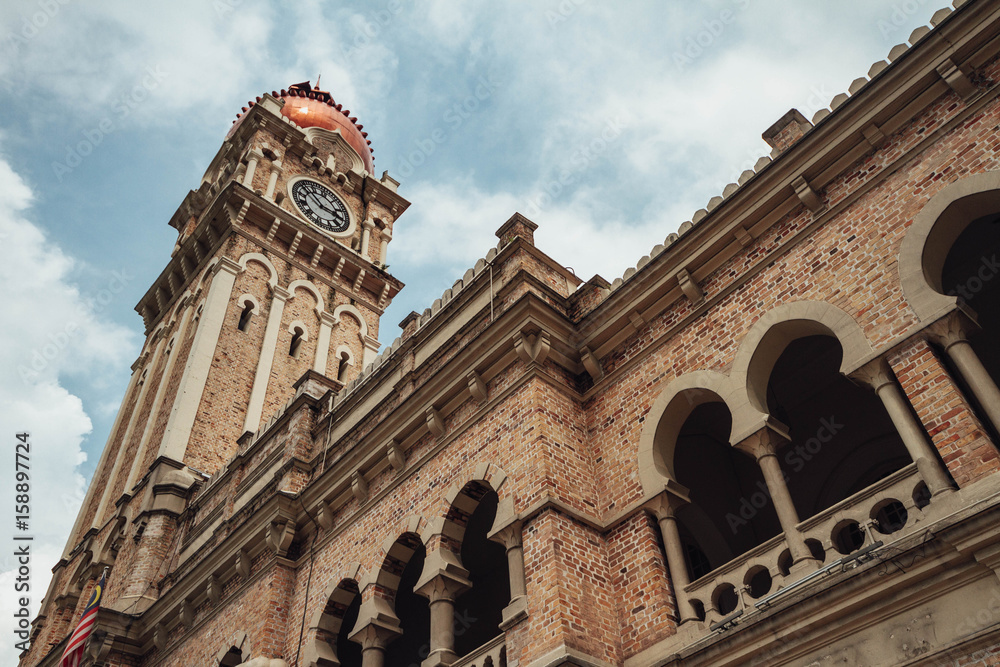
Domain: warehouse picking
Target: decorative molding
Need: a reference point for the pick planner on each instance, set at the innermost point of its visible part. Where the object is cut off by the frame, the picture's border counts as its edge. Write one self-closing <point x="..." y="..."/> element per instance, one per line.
<point x="477" y="388"/>
<point x="807" y="195"/>
<point x="532" y="348"/>
<point x="435" y="423"/>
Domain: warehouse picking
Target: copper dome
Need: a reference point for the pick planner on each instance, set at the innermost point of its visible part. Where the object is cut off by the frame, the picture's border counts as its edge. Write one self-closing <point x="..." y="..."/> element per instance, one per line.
<point x="310" y="107"/>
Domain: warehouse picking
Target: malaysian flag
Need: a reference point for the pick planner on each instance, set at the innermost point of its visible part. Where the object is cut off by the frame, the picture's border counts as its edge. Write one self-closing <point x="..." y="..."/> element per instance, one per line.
<point x="73" y="654"/>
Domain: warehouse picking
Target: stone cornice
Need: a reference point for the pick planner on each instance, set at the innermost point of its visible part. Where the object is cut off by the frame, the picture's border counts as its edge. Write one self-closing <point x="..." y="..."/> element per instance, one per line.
<point x="892" y="99"/>
<point x="658" y="292"/>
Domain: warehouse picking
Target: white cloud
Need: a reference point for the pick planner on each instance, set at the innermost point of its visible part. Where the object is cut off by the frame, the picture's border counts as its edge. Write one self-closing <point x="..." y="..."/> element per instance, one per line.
<point x="50" y="330"/>
<point x="149" y="58"/>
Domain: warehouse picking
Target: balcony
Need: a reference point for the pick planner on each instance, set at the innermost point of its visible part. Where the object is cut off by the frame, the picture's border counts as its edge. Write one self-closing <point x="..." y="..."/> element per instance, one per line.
<point x="491" y="654"/>
<point x="846" y="532"/>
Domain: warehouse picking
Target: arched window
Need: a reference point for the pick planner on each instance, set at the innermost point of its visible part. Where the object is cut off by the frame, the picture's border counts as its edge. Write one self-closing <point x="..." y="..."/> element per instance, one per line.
<point x="296" y="343"/>
<point x="245" y="316"/>
<point x="972" y="272"/>
<point x="479" y="610"/>
<point x="343" y="365"/>
<point x="411" y="608"/>
<point x="730" y="512"/>
<point x="232" y="658"/>
<point x="842" y="439"/>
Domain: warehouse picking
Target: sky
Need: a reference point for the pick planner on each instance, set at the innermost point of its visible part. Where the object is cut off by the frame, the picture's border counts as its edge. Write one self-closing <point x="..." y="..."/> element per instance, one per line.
<point x="607" y="124"/>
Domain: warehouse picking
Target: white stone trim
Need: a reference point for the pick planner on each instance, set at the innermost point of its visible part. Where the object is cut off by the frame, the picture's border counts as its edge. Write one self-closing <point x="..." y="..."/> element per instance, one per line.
<point x="272" y="279"/>
<point x="934" y="231"/>
<point x="742" y="390"/>
<point x="353" y="312"/>
<point x="335" y="136"/>
<point x="243" y="298"/>
<point x="158" y="399"/>
<point x="199" y="361"/>
<point x="310" y="287"/>
<point x="255" y="406"/>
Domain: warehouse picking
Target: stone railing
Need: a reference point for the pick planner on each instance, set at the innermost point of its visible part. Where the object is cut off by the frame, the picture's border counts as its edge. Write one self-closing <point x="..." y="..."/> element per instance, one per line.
<point x="892" y="506"/>
<point x="491" y="654"/>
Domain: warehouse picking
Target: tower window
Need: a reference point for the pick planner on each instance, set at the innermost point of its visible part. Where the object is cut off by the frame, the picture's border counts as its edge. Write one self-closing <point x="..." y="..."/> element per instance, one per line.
<point x="345" y="361"/>
<point x="293" y="348"/>
<point x="245" y="316"/>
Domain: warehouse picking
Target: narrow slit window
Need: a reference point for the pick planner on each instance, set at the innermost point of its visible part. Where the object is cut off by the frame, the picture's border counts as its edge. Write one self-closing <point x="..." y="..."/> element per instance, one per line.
<point x="293" y="348"/>
<point x="345" y="361"/>
<point x="245" y="316"/>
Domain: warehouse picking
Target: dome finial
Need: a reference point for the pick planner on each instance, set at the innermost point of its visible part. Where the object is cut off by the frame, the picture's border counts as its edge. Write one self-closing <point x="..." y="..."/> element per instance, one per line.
<point x="317" y="80"/>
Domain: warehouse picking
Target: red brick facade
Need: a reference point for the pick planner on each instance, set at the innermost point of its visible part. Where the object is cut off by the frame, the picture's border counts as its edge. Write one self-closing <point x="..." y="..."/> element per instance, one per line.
<point x="545" y="394"/>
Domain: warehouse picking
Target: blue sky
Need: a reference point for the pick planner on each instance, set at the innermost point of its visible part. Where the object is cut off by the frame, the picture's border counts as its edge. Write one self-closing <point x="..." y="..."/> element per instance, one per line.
<point x="608" y="124"/>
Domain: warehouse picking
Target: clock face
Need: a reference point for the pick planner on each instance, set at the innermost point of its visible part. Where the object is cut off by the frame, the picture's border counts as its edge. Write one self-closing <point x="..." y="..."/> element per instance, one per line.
<point x="321" y="206"/>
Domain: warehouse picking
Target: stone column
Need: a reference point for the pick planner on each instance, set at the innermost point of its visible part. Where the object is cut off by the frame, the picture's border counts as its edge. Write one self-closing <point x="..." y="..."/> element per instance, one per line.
<point x="376" y="628"/>
<point x="255" y="406"/>
<point x="877" y="375"/>
<point x="137" y="368"/>
<point x="384" y="246"/>
<point x="120" y="460"/>
<point x="510" y="537"/>
<point x="663" y="508"/>
<point x="272" y="180"/>
<point x="255" y="156"/>
<point x="442" y="581"/>
<point x="158" y="400"/>
<point x="366" y="236"/>
<point x="199" y="361"/>
<point x="326" y="323"/>
<point x="371" y="346"/>
<point x="951" y="333"/>
<point x="763" y="446"/>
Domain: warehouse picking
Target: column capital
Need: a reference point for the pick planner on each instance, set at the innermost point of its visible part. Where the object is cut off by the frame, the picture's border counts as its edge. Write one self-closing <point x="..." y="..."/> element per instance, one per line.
<point x="443" y="577"/>
<point x="377" y="625"/>
<point x="329" y="319"/>
<point x="369" y="224"/>
<point x="375" y="635"/>
<point x="955" y="327"/>
<point x="509" y="536"/>
<point x="666" y="503"/>
<point x="766" y="441"/>
<point x="228" y="265"/>
<point x="875" y="374"/>
<point x="280" y="293"/>
<point x="386" y="233"/>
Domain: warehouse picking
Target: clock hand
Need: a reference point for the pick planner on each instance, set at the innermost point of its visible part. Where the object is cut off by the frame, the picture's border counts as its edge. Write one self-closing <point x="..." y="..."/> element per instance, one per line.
<point x="318" y="202"/>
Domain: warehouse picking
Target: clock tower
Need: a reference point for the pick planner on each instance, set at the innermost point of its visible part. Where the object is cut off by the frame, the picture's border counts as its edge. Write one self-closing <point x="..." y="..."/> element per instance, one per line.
<point x="278" y="275"/>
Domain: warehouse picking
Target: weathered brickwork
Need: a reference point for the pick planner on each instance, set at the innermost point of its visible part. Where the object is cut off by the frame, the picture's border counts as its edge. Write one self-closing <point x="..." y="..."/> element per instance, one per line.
<point x="552" y="396"/>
